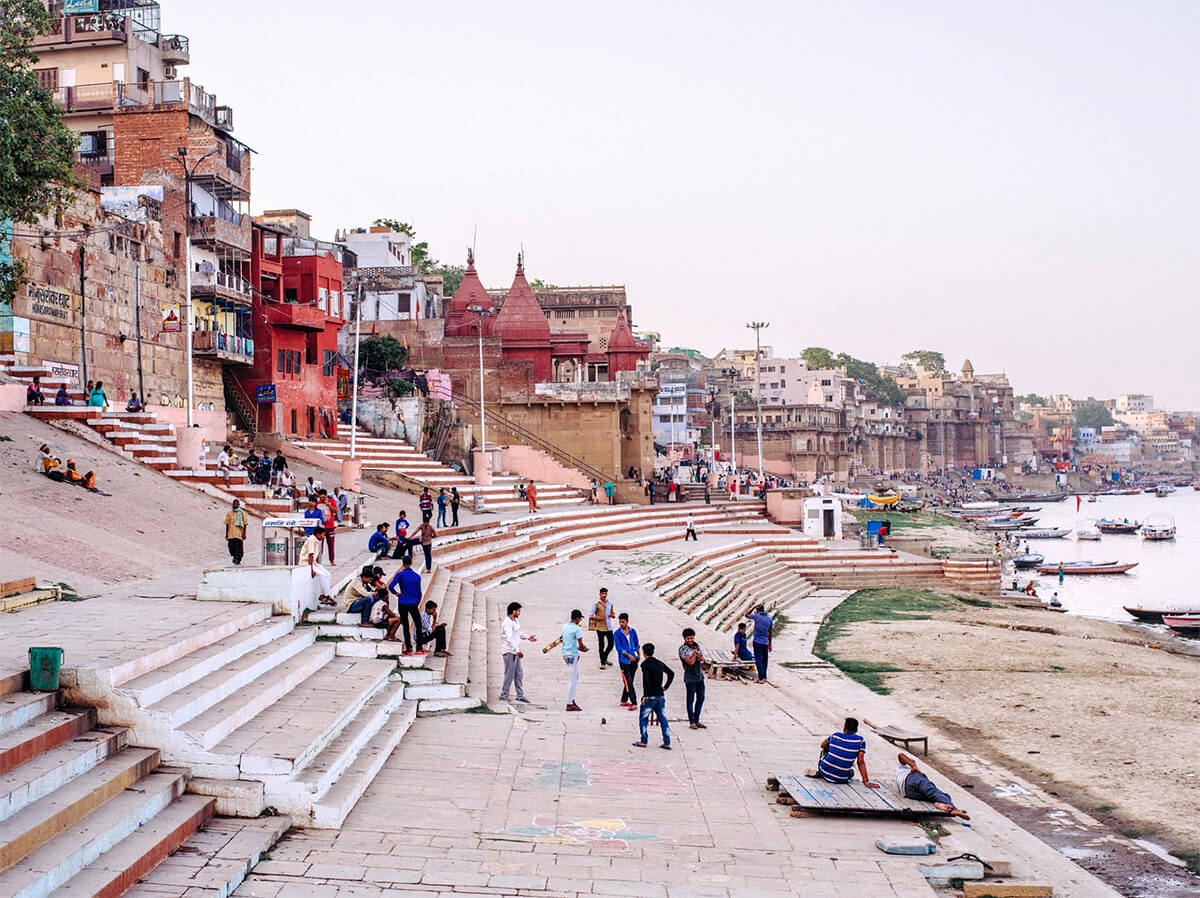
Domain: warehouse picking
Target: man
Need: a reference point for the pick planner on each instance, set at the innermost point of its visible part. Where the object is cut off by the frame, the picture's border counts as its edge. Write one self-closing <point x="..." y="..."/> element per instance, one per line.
<point x="740" y="652"/>
<point x="34" y="394"/>
<point x="510" y="647"/>
<point x="401" y="531"/>
<point x="424" y="535"/>
<point x="629" y="650"/>
<point x="708" y="490"/>
<point x="225" y="463"/>
<point x="691" y="529"/>
<point x="381" y="616"/>
<point x="839" y="755"/>
<point x="572" y="645"/>
<point x="135" y="403"/>
<point x="611" y="492"/>
<point x="312" y="488"/>
<point x="432" y="630"/>
<point x="601" y="622"/>
<point x="359" y="595"/>
<point x="406" y="586"/>
<point x="310" y="550"/>
<point x="531" y="496"/>
<point x="425" y="503"/>
<point x="912" y="783"/>
<point x="287" y="483"/>
<point x="314" y="514"/>
<point x="654" y="700"/>
<point x="764" y="629"/>
<point x="380" y="543"/>
<point x="441" y="507"/>
<point x="341" y="502"/>
<point x="278" y="466"/>
<point x="692" y="657"/>
<point x="235" y="531"/>
<point x="329" y="514"/>
<point x="650" y="490"/>
<point x="455" y="502"/>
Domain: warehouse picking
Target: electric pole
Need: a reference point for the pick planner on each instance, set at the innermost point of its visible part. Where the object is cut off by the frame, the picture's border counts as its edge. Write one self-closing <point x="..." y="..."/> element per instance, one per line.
<point x="757" y="327"/>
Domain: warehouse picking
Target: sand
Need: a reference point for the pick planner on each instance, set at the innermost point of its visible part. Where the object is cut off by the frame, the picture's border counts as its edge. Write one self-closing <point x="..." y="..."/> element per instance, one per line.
<point x="1087" y="706"/>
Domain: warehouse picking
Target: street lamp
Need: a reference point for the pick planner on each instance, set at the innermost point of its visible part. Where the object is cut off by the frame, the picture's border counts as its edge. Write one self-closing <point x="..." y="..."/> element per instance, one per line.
<point x="189" y="172"/>
<point x="758" y="326"/>
<point x="482" y="313"/>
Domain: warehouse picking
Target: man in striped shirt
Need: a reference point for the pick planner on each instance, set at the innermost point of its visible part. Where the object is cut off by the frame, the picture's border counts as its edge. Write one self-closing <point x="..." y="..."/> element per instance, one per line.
<point x="839" y="755"/>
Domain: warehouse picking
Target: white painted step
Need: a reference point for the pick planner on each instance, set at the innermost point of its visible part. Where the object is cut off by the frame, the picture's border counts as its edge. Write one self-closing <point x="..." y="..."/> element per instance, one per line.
<point x="19" y="708"/>
<point x="425" y="691"/>
<point x="42" y="733"/>
<point x="437" y="706"/>
<point x="50" y="770"/>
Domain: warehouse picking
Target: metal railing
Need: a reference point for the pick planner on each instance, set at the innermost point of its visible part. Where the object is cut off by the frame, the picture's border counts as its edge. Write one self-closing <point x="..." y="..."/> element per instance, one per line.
<point x="219" y="341"/>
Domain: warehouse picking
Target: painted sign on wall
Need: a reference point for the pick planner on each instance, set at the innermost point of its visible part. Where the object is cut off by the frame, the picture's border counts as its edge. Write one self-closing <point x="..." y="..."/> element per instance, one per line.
<point x="264" y="394"/>
<point x="171" y="322"/>
<point x="51" y="304"/>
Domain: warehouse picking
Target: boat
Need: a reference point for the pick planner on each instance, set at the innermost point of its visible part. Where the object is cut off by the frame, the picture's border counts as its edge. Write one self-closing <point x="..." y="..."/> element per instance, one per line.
<point x="1024" y="562"/>
<point x="1046" y="533"/>
<point x="1087" y="567"/>
<point x="1155" y="615"/>
<point x="1124" y="526"/>
<point x="882" y="500"/>
<point x="1163" y="490"/>
<point x="1158" y="527"/>
<point x="1005" y="525"/>
<point x="1182" y="623"/>
<point x="980" y="505"/>
<point x="1087" y="530"/>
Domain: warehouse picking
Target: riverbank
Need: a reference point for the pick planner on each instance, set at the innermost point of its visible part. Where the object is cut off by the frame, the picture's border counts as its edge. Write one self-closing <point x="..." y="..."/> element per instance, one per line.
<point x="1100" y="713"/>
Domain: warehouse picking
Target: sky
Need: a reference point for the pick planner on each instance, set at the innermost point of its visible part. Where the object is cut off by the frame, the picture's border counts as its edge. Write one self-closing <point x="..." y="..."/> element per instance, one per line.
<point x="1013" y="183"/>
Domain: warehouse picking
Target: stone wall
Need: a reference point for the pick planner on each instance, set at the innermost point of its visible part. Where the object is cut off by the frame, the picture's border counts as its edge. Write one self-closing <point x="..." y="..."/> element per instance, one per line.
<point x="398" y="418"/>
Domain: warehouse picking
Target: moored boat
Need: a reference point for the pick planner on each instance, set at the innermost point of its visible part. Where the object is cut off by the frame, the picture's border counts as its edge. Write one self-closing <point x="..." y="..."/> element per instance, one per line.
<point x="1024" y="562"/>
<point x="1155" y="615"/>
<point x="1183" y="623"/>
<point x="1045" y="533"/>
<point x="1087" y="530"/>
<point x="1087" y="567"/>
<point x="1163" y="490"/>
<point x="1123" y="526"/>
<point x="1158" y="527"/>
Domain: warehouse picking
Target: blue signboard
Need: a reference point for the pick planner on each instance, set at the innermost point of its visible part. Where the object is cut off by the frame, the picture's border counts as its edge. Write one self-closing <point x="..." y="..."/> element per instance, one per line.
<point x="264" y="394"/>
<point x="79" y="7"/>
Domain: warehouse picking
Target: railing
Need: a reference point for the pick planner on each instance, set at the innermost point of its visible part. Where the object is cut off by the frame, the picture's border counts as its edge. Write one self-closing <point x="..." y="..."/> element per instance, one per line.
<point x="173" y="43"/>
<point x="243" y="407"/>
<point x="222" y="279"/>
<point x="219" y="341"/>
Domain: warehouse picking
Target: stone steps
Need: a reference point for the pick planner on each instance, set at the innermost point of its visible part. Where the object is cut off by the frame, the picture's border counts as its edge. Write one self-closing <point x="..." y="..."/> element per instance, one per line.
<point x="53" y="768"/>
<point x="43" y="734"/>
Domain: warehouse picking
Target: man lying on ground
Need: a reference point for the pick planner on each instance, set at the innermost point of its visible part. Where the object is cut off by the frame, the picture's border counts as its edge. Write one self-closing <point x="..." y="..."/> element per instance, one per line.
<point x="912" y="783"/>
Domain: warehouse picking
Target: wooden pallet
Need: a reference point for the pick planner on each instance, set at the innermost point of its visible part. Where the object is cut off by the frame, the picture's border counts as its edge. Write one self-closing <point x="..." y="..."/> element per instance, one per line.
<point x="808" y="795"/>
<point x="729" y="670"/>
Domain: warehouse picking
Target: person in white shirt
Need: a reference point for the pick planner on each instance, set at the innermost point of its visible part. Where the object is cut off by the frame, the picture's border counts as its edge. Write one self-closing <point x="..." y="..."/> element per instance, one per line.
<point x="224" y="461"/>
<point x="510" y="647"/>
<point x="287" y="483"/>
<point x="310" y="550"/>
<point x="691" y="529"/>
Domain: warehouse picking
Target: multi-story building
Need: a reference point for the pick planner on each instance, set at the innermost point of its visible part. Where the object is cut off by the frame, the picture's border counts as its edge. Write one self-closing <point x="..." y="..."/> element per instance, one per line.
<point x="793" y="382"/>
<point x="741" y="359"/>
<point x="393" y="289"/>
<point x="1134" y="402"/>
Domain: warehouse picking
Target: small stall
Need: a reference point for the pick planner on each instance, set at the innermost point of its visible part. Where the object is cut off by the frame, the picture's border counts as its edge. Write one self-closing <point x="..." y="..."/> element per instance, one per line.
<point x="281" y="538"/>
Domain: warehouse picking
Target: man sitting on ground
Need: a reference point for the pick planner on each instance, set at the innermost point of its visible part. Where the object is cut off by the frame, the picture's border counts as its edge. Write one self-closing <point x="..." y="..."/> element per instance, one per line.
<point x="135" y="403"/>
<point x="912" y="783"/>
<point x="380" y="543"/>
<point x="359" y="595"/>
<point x="87" y="481"/>
<point x="839" y="755"/>
<point x="34" y="394"/>
<point x="432" y="630"/>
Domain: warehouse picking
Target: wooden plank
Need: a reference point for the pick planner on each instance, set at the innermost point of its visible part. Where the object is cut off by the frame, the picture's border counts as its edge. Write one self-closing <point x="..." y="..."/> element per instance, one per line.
<point x="814" y="794"/>
<point x="1006" y="890"/>
<point x="27" y="599"/>
<point x="12" y="587"/>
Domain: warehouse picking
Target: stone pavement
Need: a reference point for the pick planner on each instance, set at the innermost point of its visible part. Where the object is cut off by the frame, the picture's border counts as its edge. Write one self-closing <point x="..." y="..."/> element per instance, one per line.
<point x="546" y="802"/>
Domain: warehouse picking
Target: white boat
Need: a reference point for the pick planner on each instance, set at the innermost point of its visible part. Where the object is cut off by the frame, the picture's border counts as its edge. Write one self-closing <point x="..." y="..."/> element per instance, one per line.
<point x="1158" y="527"/>
<point x="1087" y="530"/>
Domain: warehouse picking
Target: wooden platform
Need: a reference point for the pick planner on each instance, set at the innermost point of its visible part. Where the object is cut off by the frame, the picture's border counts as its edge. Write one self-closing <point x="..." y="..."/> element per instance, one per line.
<point x="729" y="670"/>
<point x="812" y="795"/>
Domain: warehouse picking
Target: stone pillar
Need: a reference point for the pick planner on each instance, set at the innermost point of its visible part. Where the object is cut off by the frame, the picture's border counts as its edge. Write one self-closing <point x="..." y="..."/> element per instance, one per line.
<point x="483" y="467"/>
<point x="187" y="446"/>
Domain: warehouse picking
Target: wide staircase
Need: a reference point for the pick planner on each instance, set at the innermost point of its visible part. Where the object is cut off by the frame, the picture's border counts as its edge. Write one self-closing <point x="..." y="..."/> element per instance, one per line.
<point x="398" y="457"/>
<point x="83" y="811"/>
<point x="141" y="437"/>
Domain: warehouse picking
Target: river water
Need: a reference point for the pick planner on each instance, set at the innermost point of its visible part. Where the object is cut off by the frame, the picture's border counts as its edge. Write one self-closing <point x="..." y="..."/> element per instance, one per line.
<point x="1168" y="571"/>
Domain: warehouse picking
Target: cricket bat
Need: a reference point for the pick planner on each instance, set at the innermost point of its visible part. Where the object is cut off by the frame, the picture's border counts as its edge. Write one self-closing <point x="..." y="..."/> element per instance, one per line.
<point x="552" y="644"/>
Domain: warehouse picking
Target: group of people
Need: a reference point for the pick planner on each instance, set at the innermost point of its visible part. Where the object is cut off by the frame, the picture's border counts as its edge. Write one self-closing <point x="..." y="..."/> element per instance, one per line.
<point x="51" y="465"/>
<point x="401" y="544"/>
<point x="369" y="597"/>
<point x="94" y="394"/>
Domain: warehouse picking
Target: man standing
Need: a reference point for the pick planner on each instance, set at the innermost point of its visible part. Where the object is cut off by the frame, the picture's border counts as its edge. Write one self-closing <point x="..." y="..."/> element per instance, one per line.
<point x="692" y="657"/>
<point x="330" y="514"/>
<point x="310" y="551"/>
<point x="510" y="647"/>
<point x="650" y="490"/>
<point x="611" y="492"/>
<point x="235" y="531"/>
<point x="314" y="513"/>
<point x="425" y="502"/>
<point x="441" y="507"/>
<point x="455" y="501"/>
<point x="278" y="466"/>
<point x="691" y="529"/>
<point x="654" y="700"/>
<point x="629" y="650"/>
<point x="425" y="534"/>
<point x="601" y="622"/>
<point x="406" y="586"/>
<point x="572" y="645"/>
<point x="531" y="496"/>
<point x="764" y="629"/>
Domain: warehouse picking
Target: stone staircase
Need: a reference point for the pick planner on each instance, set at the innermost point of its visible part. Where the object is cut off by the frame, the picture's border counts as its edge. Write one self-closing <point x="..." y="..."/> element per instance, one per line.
<point x="398" y="457"/>
<point x="83" y="812"/>
<point x="141" y="437"/>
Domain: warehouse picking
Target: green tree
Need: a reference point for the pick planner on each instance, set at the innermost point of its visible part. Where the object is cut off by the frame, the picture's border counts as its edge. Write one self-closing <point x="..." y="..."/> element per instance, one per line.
<point x="539" y="284"/>
<point x="379" y="355"/>
<point x="818" y="357"/>
<point x="1093" y="414"/>
<point x="931" y="361"/>
<point x="452" y="277"/>
<point x="37" y="166"/>
<point x="1031" y="399"/>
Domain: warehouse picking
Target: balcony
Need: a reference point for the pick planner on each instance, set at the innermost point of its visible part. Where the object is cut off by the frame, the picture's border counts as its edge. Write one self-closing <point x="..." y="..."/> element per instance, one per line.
<point x="226" y="232"/>
<point x="101" y="164"/>
<point x="223" y="347"/>
<point x="223" y="285"/>
<point x="296" y="315"/>
<point x="174" y="49"/>
<point x="92" y="31"/>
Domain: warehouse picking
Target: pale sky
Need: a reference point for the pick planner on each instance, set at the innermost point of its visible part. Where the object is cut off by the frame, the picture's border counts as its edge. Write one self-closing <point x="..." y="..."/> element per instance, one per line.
<point x="1014" y="183"/>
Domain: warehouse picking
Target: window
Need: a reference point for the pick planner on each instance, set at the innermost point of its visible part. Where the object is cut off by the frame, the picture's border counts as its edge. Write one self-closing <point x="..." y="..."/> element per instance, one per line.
<point x="142" y="77"/>
<point x="310" y="349"/>
<point x="335" y="303"/>
<point x="296" y="361"/>
<point x="290" y="294"/>
<point x="826" y="383"/>
<point x="327" y="363"/>
<point x="323" y="299"/>
<point x="288" y="354"/>
<point x="293" y="420"/>
<point x="280" y="361"/>
<point x="47" y="79"/>
<point x="403" y="303"/>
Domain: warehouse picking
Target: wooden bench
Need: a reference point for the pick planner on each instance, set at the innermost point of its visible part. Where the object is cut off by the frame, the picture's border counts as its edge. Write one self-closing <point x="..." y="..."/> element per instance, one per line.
<point x="728" y="670"/>
<point x="897" y="736"/>
<point x="808" y="795"/>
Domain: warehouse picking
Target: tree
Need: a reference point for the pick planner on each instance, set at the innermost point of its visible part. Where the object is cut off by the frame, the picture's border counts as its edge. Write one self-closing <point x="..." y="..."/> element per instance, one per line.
<point x="931" y="361"/>
<point x="818" y="357"/>
<point x="452" y="277"/>
<point x="37" y="164"/>
<point x="539" y="284"/>
<point x="1093" y="414"/>
<point x="381" y="356"/>
<point x="1030" y="399"/>
<point x="418" y="250"/>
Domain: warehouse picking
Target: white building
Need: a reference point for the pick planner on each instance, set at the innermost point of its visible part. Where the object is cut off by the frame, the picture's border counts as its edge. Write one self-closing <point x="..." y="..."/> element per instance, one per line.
<point x="388" y="254"/>
<point x="1134" y="403"/>
<point x="792" y="382"/>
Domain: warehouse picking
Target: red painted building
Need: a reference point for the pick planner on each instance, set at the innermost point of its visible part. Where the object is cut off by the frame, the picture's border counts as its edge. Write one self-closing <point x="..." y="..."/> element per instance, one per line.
<point x="298" y="308"/>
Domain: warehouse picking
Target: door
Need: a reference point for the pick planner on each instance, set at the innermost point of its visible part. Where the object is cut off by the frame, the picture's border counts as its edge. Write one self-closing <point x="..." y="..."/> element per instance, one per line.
<point x="827" y="520"/>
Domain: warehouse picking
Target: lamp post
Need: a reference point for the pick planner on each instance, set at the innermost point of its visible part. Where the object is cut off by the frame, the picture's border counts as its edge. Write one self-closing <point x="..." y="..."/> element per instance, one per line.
<point x="354" y="381"/>
<point x="482" y="313"/>
<point x="757" y="327"/>
<point x="189" y="172"/>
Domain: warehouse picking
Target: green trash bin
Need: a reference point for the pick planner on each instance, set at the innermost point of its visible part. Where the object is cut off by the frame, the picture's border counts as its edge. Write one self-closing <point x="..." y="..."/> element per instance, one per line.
<point x="45" y="662"/>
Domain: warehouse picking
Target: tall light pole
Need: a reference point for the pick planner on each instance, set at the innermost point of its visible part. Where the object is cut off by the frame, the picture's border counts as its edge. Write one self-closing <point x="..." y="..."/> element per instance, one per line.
<point x="758" y="326"/>
<point x="189" y="172"/>
<point x="732" y="373"/>
<point x="482" y="313"/>
<point x="354" y="381"/>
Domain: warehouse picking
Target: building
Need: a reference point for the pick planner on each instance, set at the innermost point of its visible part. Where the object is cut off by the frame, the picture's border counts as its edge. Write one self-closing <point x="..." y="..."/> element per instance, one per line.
<point x="1134" y="402"/>
<point x="393" y="288"/>
<point x="741" y="359"/>
<point x="793" y="382"/>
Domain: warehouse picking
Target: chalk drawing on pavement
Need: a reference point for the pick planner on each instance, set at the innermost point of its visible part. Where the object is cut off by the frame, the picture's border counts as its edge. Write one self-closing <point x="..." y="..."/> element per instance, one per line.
<point x="601" y="833"/>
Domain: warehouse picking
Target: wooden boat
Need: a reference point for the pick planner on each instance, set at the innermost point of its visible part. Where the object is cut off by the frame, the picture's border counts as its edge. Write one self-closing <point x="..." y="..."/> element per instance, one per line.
<point x="1183" y="623"/>
<point x="1046" y="533"/>
<point x="1159" y="527"/>
<point x="1024" y="562"/>
<point x="1088" y="567"/>
<point x="1162" y="491"/>
<point x="1155" y="615"/>
<point x="1125" y="526"/>
<point x="1006" y="525"/>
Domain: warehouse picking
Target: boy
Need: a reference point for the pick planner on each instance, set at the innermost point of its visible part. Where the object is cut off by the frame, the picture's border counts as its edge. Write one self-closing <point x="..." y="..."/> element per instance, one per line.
<point x="401" y="532"/>
<point x="431" y="629"/>
<point x="654" y="699"/>
<point x="382" y="616"/>
<point x="840" y="753"/>
<point x="740" y="652"/>
<point x="379" y="543"/>
<point x="692" y="657"/>
<point x="572" y="645"/>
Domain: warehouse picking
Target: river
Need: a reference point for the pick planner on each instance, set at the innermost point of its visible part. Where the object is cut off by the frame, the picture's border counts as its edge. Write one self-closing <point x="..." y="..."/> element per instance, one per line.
<point x="1167" y="570"/>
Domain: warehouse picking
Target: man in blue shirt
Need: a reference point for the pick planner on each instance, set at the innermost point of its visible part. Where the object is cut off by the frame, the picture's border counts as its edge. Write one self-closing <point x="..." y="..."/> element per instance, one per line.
<point x="315" y="513"/>
<point x="629" y="650"/>
<point x="740" y="652"/>
<point x="763" y="630"/>
<point x="379" y="542"/>
<point x="572" y="645"/>
<point x="406" y="586"/>
<point x="840" y="753"/>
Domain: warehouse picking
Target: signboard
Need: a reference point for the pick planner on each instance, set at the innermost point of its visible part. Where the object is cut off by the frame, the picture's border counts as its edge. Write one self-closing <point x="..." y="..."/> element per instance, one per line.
<point x="288" y="520"/>
<point x="673" y="390"/>
<point x="264" y="394"/>
<point x="80" y="7"/>
<point x="48" y="303"/>
<point x="171" y="322"/>
<point x="62" y="369"/>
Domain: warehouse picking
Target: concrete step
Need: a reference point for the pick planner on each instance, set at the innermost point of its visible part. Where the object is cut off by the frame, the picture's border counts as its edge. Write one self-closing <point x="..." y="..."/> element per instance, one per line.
<point x="55" y="767"/>
<point x="20" y="708"/>
<point x="36" y="823"/>
<point x="320" y="773"/>
<point x="460" y="635"/>
<point x="494" y="672"/>
<point x="476" y="685"/>
<point x="182" y="672"/>
<point x="219" y="720"/>
<point x="434" y="707"/>
<point x="197" y="695"/>
<point x="79" y="845"/>
<point x="424" y="691"/>
<point x="43" y="733"/>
